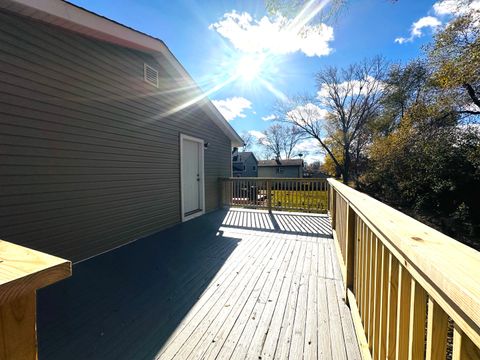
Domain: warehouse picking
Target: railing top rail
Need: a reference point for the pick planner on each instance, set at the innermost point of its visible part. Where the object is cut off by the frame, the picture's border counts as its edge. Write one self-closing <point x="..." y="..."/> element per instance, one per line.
<point x="450" y="267"/>
<point x="23" y="270"/>
<point x="275" y="179"/>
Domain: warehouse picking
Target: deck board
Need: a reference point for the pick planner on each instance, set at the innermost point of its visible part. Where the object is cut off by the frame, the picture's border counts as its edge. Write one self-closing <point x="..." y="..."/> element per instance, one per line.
<point x="242" y="284"/>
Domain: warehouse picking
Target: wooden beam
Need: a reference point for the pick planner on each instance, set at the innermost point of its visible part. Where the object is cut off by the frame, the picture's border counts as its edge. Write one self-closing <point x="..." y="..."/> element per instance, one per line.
<point x="23" y="270"/>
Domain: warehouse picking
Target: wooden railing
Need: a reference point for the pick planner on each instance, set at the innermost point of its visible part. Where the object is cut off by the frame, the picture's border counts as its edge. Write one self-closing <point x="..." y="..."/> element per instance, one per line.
<point x="22" y="272"/>
<point x="296" y="194"/>
<point x="408" y="286"/>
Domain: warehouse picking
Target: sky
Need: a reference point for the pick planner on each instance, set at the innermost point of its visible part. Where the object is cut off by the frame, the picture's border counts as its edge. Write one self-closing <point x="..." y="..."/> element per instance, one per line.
<point x="247" y="60"/>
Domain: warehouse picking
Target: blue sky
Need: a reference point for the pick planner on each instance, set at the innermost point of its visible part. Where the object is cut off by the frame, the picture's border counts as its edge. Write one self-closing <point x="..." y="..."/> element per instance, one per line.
<point x="213" y="39"/>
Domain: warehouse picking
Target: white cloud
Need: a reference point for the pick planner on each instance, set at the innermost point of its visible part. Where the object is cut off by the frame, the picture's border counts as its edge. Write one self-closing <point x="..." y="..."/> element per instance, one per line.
<point x="233" y="107"/>
<point x="257" y="134"/>
<point x="269" y="117"/>
<point x="308" y="145"/>
<point x="278" y="36"/>
<point x="442" y="9"/>
<point x="311" y="158"/>
<point x="454" y="7"/>
<point x="307" y="113"/>
<point x="417" y="28"/>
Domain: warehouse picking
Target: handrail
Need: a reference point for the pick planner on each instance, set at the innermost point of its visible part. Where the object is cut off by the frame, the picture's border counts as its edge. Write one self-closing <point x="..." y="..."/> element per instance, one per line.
<point x="290" y="194"/>
<point x="22" y="272"/>
<point x="393" y="266"/>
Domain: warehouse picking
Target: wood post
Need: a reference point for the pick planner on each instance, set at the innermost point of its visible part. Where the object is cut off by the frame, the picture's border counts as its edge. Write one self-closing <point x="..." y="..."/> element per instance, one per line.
<point x="269" y="195"/>
<point x="18" y="339"/>
<point x="22" y="272"/>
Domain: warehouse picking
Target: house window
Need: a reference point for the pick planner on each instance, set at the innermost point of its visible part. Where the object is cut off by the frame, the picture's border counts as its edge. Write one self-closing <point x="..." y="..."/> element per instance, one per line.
<point x="279" y="170"/>
<point x="254" y="168"/>
<point x="244" y="168"/>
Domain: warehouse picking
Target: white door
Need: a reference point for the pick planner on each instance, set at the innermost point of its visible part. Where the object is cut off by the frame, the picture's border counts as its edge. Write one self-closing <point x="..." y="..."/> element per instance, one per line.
<point x="192" y="177"/>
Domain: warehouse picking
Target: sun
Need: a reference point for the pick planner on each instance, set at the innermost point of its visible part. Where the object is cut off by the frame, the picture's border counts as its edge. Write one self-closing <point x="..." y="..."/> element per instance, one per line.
<point x="249" y="67"/>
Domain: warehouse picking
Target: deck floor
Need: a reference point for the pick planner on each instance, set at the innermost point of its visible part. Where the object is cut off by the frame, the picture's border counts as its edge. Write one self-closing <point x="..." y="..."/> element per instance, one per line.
<point x="262" y="287"/>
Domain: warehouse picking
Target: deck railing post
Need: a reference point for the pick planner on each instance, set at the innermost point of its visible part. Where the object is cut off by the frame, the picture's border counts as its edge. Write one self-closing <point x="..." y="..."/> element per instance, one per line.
<point x="269" y="195"/>
<point x="23" y="271"/>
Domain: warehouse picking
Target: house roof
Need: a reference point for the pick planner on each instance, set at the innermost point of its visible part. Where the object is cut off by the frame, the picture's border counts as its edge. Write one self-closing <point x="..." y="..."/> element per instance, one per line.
<point x="74" y="18"/>
<point x="247" y="154"/>
<point x="281" y="162"/>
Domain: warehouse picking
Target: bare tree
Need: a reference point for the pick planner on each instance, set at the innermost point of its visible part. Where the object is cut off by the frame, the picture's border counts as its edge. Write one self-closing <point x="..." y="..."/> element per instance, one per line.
<point x="346" y="100"/>
<point x="280" y="140"/>
<point x="248" y="141"/>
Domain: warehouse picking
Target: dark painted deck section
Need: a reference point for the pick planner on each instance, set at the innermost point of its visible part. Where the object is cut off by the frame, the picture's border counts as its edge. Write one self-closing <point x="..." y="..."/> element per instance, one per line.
<point x="213" y="287"/>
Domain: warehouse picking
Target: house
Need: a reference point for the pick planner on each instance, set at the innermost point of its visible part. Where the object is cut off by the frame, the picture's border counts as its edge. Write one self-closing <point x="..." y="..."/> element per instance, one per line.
<point x="287" y="168"/>
<point x="244" y="164"/>
<point x="104" y="136"/>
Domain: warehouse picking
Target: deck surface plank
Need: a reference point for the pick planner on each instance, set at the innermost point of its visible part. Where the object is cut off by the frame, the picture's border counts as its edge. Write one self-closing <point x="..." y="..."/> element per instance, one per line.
<point x="288" y="305"/>
<point x="237" y="284"/>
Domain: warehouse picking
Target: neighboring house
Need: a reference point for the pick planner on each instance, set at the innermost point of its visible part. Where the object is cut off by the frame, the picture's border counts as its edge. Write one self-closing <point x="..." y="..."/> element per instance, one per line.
<point x="104" y="136"/>
<point x="288" y="168"/>
<point x="244" y="164"/>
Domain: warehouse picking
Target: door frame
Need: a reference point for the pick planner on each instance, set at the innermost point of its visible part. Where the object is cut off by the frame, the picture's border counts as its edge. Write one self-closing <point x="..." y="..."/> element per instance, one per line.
<point x="202" y="177"/>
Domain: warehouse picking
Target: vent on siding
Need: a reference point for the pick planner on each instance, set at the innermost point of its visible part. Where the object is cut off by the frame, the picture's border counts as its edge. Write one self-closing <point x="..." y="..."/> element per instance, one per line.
<point x="150" y="75"/>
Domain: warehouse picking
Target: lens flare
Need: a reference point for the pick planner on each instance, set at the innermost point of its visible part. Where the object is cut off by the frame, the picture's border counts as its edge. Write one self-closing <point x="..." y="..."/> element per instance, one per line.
<point x="250" y="67"/>
<point x="252" y="70"/>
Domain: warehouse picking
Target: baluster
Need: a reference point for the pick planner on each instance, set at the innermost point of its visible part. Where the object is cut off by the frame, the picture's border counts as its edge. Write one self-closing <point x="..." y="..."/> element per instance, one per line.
<point x="418" y="311"/>
<point x="382" y="342"/>
<point x="463" y="347"/>
<point x="366" y="272"/>
<point x="403" y="313"/>
<point x="377" y="298"/>
<point x="392" y="301"/>
<point x="359" y="263"/>
<point x="437" y="330"/>
<point x="372" y="289"/>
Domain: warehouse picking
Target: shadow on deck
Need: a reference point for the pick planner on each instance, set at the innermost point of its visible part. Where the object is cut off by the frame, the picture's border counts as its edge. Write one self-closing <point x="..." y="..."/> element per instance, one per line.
<point x="230" y="284"/>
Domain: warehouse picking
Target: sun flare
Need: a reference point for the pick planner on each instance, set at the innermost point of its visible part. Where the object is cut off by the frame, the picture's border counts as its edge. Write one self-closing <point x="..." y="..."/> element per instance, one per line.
<point x="249" y="67"/>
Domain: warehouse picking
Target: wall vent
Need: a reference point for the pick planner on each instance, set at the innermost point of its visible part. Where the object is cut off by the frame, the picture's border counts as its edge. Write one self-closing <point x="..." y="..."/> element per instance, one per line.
<point x="150" y="75"/>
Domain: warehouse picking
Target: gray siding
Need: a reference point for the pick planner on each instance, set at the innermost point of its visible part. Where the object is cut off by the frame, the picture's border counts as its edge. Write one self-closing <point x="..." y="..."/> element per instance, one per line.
<point x="288" y="172"/>
<point x="250" y="164"/>
<point x="86" y="162"/>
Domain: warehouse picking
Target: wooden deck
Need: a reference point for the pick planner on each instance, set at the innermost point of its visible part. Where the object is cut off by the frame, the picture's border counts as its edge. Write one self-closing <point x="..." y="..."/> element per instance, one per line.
<point x="241" y="284"/>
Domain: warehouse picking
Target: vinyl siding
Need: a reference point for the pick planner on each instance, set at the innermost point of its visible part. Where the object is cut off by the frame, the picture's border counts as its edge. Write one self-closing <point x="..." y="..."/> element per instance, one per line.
<point x="249" y="163"/>
<point x="87" y="162"/>
<point x="288" y="172"/>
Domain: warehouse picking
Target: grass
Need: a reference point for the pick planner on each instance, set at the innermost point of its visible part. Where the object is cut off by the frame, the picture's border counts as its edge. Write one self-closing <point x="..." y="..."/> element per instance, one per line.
<point x="300" y="200"/>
